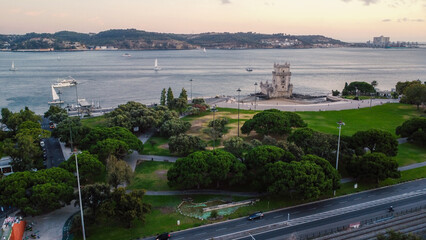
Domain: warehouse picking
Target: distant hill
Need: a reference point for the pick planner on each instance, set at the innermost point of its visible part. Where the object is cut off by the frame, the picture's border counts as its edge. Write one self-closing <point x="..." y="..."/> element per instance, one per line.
<point x="133" y="39"/>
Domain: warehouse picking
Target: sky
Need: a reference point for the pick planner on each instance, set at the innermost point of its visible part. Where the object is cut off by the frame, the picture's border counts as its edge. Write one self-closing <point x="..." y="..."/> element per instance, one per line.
<point x="346" y="20"/>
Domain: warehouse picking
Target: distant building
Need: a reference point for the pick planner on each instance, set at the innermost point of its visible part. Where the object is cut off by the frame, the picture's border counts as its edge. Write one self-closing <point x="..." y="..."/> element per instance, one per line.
<point x="5" y="167"/>
<point x="381" y="41"/>
<point x="280" y="86"/>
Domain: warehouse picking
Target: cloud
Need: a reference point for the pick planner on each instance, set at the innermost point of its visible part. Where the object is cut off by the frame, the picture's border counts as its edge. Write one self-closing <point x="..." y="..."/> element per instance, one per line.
<point x="33" y="13"/>
<point x="387" y="20"/>
<point x="225" y="1"/>
<point x="403" y="20"/>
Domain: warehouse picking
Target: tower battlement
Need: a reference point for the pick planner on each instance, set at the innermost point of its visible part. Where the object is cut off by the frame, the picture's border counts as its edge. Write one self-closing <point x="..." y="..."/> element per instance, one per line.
<point x="280" y="85"/>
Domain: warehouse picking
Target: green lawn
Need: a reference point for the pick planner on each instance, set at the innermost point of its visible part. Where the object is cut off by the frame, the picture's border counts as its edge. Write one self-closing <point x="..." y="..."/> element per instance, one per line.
<point x="409" y="153"/>
<point x="94" y="122"/>
<point x="157" y="148"/>
<point x="384" y="117"/>
<point x="151" y="175"/>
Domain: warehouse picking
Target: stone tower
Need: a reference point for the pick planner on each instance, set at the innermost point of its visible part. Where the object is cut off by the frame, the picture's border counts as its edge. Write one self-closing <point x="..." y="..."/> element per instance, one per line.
<point x="280" y="86"/>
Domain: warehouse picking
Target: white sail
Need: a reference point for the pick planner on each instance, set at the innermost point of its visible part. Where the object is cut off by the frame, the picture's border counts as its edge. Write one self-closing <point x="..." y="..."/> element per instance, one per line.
<point x="156" y="67"/>
<point x="204" y="50"/>
<point x="55" y="96"/>
<point x="13" y="68"/>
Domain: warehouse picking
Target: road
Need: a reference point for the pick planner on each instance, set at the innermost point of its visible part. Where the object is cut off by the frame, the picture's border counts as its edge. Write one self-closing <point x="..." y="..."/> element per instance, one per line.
<point x="318" y="213"/>
<point x="53" y="148"/>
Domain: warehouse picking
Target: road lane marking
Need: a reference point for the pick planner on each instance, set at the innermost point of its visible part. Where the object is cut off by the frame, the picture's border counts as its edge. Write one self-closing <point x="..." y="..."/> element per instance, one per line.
<point x="279" y="216"/>
<point x="343" y="202"/>
<point x="200" y="233"/>
<point x="295" y="212"/>
<point x="357" y="199"/>
<point x="220" y="229"/>
<point x="239" y="225"/>
<point x="313" y="208"/>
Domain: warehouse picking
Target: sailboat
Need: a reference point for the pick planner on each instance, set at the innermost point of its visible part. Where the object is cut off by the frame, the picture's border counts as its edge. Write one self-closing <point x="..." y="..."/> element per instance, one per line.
<point x="13" y="68"/>
<point x="249" y="69"/>
<point x="156" y="67"/>
<point x="204" y="50"/>
<point x="55" y="97"/>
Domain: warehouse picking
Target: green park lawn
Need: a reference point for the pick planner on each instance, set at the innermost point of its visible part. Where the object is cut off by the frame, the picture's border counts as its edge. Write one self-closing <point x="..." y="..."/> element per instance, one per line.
<point x="409" y="153"/>
<point x="94" y="122"/>
<point x="159" y="147"/>
<point x="384" y="117"/>
<point x="150" y="175"/>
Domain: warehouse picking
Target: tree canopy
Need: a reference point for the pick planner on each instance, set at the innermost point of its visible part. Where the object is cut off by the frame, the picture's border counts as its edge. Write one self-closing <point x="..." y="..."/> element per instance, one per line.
<point x="37" y="192"/>
<point x="376" y="141"/>
<point x="414" y="129"/>
<point x="174" y="127"/>
<point x="374" y="166"/>
<point x="414" y="94"/>
<point x="13" y="120"/>
<point x="71" y="125"/>
<point x="272" y="122"/>
<point x="89" y="167"/>
<point x="363" y="88"/>
<point x="183" y="144"/>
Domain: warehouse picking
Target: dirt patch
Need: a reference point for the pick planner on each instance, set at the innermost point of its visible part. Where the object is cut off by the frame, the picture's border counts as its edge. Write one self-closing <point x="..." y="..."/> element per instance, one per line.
<point x="164" y="146"/>
<point x="161" y="173"/>
<point x="167" y="210"/>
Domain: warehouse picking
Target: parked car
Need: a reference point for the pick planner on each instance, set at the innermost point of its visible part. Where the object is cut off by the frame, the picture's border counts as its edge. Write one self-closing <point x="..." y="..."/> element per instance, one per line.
<point x="255" y="215"/>
<point x="42" y="143"/>
<point x="163" y="236"/>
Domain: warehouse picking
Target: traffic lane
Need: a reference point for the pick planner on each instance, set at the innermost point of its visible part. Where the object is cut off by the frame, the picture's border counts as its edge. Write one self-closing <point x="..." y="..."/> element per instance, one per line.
<point x="300" y="211"/>
<point x="355" y="216"/>
<point x="54" y="152"/>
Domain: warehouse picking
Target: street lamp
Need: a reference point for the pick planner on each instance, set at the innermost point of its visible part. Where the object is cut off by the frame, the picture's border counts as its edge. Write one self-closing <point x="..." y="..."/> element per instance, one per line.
<point x="214" y="109"/>
<point x="79" y="189"/>
<point x="340" y="123"/>
<point x="191" y="88"/>
<point x="255" y="98"/>
<point x="76" y="95"/>
<point x="238" y="130"/>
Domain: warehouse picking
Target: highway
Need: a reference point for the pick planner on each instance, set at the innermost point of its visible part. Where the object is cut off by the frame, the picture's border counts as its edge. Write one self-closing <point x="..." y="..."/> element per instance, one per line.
<point x="353" y="207"/>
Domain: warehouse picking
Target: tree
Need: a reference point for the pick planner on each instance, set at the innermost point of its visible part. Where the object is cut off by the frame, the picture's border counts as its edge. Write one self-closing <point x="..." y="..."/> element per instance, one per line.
<point x="37" y="192"/>
<point x="415" y="94"/>
<point x="374" y="166"/>
<point x="56" y="114"/>
<point x="237" y="146"/>
<point x="118" y="172"/>
<point x="163" y="97"/>
<point x="179" y="104"/>
<point x="108" y="147"/>
<point x="71" y="126"/>
<point x="24" y="151"/>
<point x="374" y="83"/>
<point x="206" y="168"/>
<point x="126" y="207"/>
<point x="268" y="122"/>
<point x="363" y="87"/>
<point x="401" y="86"/>
<point x="304" y="178"/>
<point x="13" y="120"/>
<point x="174" y="127"/>
<point x="93" y="196"/>
<point x="170" y="98"/>
<point x="89" y="167"/>
<point x="98" y="134"/>
<point x="414" y="129"/>
<point x="183" y="95"/>
<point x="183" y="144"/>
<point x="332" y="180"/>
<point x="376" y="141"/>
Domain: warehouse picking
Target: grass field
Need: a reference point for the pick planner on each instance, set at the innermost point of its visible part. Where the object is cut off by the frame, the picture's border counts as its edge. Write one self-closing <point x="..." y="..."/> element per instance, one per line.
<point x="94" y="122"/>
<point x="159" y="148"/>
<point x="151" y="175"/>
<point x="384" y="117"/>
<point x="409" y="153"/>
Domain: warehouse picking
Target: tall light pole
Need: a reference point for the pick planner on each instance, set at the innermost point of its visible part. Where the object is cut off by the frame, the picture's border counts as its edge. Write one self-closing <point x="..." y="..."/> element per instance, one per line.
<point x="238" y="130"/>
<point x="340" y="123"/>
<point x="214" y="109"/>
<point x="76" y="95"/>
<point x="191" y="88"/>
<point x="255" y="98"/>
<point x="79" y="189"/>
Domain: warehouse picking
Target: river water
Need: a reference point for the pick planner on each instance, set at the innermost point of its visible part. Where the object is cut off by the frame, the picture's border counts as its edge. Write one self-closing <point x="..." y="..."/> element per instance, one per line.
<point x="109" y="78"/>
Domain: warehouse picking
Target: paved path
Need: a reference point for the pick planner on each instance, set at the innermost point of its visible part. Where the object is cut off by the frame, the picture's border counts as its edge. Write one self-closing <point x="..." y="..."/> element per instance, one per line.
<point x="205" y="192"/>
<point x="49" y="226"/>
<point x="412" y="166"/>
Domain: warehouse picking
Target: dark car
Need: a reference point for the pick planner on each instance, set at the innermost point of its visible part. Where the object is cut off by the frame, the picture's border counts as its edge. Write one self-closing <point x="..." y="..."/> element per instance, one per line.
<point x="255" y="215"/>
<point x="163" y="236"/>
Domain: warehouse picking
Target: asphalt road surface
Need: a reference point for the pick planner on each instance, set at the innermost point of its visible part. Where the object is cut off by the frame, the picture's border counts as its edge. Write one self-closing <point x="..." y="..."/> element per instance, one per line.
<point x="53" y="148"/>
<point x="317" y="214"/>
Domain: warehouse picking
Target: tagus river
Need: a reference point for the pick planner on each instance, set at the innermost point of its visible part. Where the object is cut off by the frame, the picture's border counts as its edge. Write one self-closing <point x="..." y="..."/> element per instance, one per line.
<point x="110" y="78"/>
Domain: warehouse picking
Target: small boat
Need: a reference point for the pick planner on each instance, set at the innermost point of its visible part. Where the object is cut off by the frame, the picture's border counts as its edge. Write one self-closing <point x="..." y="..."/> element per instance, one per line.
<point x="249" y="69"/>
<point x="204" y="50"/>
<point x="13" y="68"/>
<point x="156" y="67"/>
<point x="126" y="55"/>
<point x="55" y="97"/>
<point x="68" y="82"/>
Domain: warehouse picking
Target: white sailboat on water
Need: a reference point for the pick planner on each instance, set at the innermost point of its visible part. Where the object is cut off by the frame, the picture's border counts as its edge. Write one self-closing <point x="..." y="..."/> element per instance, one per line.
<point x="156" y="67"/>
<point x="55" y="97"/>
<point x="13" y="68"/>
